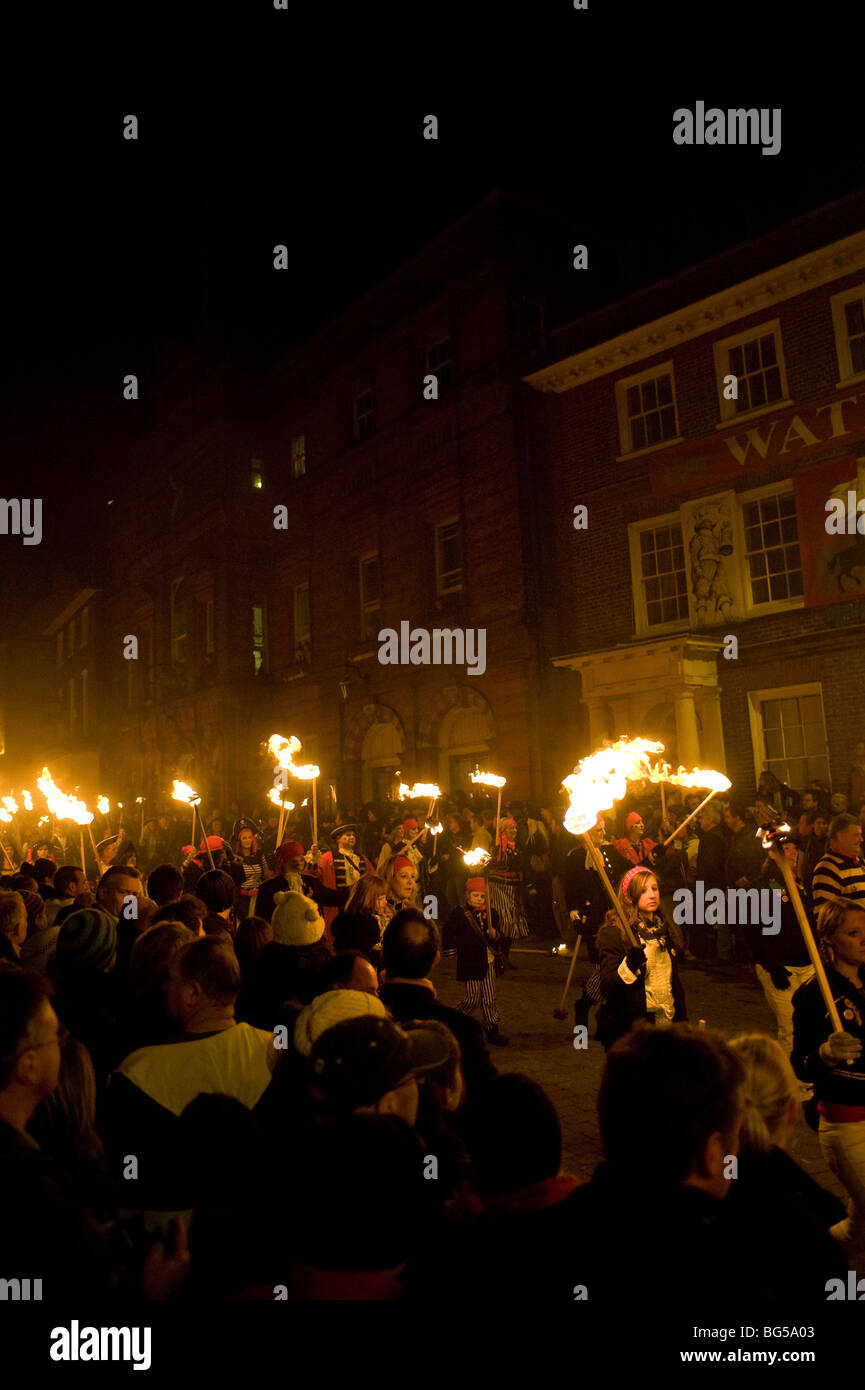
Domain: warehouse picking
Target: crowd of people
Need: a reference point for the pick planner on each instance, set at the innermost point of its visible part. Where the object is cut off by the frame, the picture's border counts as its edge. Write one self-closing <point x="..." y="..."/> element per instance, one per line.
<point x="225" y="1070"/>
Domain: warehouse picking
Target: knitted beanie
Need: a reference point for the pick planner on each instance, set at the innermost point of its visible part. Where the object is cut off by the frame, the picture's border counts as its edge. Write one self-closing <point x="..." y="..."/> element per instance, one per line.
<point x="87" y="938"/>
<point x="337" y="1006"/>
<point x="296" y="920"/>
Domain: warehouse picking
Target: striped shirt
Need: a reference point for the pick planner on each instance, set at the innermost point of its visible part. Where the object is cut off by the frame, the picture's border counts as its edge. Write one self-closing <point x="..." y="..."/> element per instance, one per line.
<point x="837" y="876"/>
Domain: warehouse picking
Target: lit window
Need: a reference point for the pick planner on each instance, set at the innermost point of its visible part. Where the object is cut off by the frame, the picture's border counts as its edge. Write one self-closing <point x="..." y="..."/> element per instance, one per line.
<point x="772" y="548"/>
<point x="298" y="456"/>
<point x="662" y="575"/>
<point x="449" y="558"/>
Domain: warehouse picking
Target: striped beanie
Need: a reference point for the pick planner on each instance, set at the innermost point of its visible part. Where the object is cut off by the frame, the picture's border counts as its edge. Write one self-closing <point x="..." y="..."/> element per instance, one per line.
<point x="87" y="938"/>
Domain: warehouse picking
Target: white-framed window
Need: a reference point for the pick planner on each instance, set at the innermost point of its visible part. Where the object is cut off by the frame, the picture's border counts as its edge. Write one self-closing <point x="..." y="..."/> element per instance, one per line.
<point x="301" y="615"/>
<point x="179" y="624"/>
<point x="646" y="407"/>
<point x="84" y="627"/>
<point x="848" y="320"/>
<point x="658" y="571"/>
<point x="85" y="710"/>
<point x="370" y="595"/>
<point x="788" y="733"/>
<point x="772" y="559"/>
<point x="439" y="361"/>
<point x="363" y="413"/>
<point x="449" y="557"/>
<point x="298" y="456"/>
<point x="209" y="628"/>
<point x="756" y="360"/>
<point x="259" y="637"/>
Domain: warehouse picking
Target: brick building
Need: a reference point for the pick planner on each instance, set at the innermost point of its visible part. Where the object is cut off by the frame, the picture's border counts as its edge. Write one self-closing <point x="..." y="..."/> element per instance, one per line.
<point x="704" y="424"/>
<point x="266" y="529"/>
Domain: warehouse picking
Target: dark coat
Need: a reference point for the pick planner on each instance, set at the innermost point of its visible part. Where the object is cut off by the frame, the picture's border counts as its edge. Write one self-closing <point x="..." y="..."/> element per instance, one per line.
<point x="712" y="859"/>
<point x="624" y="1004"/>
<point x="408" y="1001"/>
<point x="841" y="1085"/>
<point x="463" y="931"/>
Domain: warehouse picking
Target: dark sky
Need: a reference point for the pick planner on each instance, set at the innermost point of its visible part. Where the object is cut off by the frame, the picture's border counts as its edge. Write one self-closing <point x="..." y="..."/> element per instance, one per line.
<point x="260" y="126"/>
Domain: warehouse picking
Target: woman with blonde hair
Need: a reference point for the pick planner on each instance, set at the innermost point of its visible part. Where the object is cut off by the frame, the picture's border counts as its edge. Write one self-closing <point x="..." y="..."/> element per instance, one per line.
<point x="771" y="1191"/>
<point x="638" y="982"/>
<point x="402" y="884"/>
<point x="361" y="923"/>
<point x="832" y="1061"/>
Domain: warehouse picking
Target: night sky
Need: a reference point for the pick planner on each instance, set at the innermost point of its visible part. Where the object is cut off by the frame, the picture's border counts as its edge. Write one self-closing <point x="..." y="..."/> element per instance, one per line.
<point x="260" y="126"/>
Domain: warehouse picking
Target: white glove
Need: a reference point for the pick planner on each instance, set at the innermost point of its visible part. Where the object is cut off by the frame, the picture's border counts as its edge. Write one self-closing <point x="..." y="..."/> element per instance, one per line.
<point x="840" y="1047"/>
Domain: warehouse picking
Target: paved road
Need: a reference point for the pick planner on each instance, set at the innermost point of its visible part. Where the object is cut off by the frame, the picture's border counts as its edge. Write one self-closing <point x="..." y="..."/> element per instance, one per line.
<point x="541" y="1046"/>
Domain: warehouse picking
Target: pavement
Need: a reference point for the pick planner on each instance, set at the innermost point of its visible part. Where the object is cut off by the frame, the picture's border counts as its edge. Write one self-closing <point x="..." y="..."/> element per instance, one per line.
<point x="542" y="1046"/>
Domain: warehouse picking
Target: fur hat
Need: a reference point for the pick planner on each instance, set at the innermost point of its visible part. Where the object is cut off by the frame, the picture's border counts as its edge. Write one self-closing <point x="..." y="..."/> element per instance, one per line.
<point x="296" y="920"/>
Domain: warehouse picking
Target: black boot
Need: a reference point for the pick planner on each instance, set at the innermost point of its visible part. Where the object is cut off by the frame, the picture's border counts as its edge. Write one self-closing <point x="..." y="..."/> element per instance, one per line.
<point x="506" y="952"/>
<point x="495" y="1037"/>
<point x="582" y="1009"/>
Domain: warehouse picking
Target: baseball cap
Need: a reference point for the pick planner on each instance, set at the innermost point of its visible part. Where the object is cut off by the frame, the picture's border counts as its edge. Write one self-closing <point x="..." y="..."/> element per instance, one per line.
<point x="357" y="1062"/>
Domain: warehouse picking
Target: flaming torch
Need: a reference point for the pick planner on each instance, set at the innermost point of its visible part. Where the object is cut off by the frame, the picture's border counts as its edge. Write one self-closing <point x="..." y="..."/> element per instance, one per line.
<point x="489" y="779"/>
<point x="181" y="791"/>
<point x="284" y="749"/>
<point x="63" y="807"/>
<point x="479" y="859"/>
<point x="284" y="805"/>
<point x="770" y="838"/>
<point x="28" y="800"/>
<point x="700" y="777"/>
<point x="6" y="819"/>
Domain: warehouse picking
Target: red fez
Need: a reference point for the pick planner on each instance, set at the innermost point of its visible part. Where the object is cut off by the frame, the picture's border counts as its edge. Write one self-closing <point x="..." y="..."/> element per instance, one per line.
<point x="475" y="885"/>
<point x="289" y="849"/>
<point x="633" y="818"/>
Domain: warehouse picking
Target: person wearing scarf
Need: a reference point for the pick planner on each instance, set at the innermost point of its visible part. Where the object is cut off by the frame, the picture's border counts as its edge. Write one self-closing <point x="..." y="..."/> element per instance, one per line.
<point x="638" y="982"/>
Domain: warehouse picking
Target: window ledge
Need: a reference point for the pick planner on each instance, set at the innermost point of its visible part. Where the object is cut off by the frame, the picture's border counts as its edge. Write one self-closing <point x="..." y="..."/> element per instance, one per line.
<point x="754" y="414"/>
<point x="856" y="380"/>
<point x="650" y="449"/>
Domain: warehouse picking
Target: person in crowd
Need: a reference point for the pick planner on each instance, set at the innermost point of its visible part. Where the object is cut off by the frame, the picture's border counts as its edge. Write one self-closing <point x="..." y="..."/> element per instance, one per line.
<point x="64" y="1126"/>
<point x="537" y="877"/>
<point x="782" y="962"/>
<point x="505" y="879"/>
<point x="474" y="933"/>
<point x="216" y="890"/>
<point x="46" y="1229"/>
<point x="332" y="1007"/>
<point x="165" y="884"/>
<point x="480" y="836"/>
<point x="841" y="871"/>
<point x="838" y="804"/>
<point x="402" y="884"/>
<point x="284" y="975"/>
<point x="587" y="900"/>
<point x="188" y="909"/>
<point x="343" y="867"/>
<point x="637" y="982"/>
<point x="253" y="934"/>
<point x="69" y="883"/>
<point x="349" y="970"/>
<point x="813" y="846"/>
<point x="371" y="1065"/>
<point x="745" y="856"/>
<point x="107" y="851"/>
<point x="711" y="870"/>
<point x="38" y="950"/>
<point x="144" y="1019"/>
<point x="13" y="926"/>
<point x="633" y="845"/>
<point x="253" y="861"/>
<point x="411" y="949"/>
<point x="454" y="841"/>
<point x="117" y="893"/>
<point x="88" y="992"/>
<point x="831" y="1060"/>
<point x="361" y="922"/>
<point x="393" y="839"/>
<point x="213" y="1053"/>
<point x="771" y="1189"/>
<point x="856" y="777"/>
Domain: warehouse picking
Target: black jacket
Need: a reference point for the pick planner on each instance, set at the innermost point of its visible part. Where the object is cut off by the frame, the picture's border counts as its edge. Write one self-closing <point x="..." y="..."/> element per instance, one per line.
<point x="842" y="1084"/>
<point x="584" y="891"/>
<point x="712" y="859"/>
<point x="463" y="931"/>
<point x="624" y="1004"/>
<point x="408" y="1001"/>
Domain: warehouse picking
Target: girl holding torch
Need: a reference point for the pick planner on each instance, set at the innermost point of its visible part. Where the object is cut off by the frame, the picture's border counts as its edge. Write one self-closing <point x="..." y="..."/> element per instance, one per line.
<point x="638" y="982"/>
<point x="831" y="1057"/>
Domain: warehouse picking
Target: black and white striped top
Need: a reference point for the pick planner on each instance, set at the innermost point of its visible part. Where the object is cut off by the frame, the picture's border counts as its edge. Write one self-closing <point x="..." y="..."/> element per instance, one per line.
<point x="836" y="876"/>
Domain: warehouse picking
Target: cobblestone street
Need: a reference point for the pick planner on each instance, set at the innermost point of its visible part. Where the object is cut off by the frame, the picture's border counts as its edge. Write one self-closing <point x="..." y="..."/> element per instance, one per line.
<point x="541" y="1046"/>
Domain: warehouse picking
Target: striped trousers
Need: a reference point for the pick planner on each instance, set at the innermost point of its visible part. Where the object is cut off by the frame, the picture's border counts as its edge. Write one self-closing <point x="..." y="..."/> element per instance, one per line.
<point x="482" y="992"/>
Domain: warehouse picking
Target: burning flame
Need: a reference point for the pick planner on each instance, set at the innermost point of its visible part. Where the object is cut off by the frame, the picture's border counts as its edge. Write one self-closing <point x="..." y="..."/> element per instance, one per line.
<point x="489" y="779"/>
<point x="11" y="805"/>
<point x="284" y="749"/>
<point x="277" y="800"/>
<point x="102" y="805"/>
<point x="28" y="800"/>
<point x="139" y="800"/>
<point x="62" y="807"/>
<point x="5" y="817"/>
<point x="181" y="791"/>
<point x="476" y="858"/>
<point x="769" y="833"/>
<point x="419" y="789"/>
<point x="436" y="829"/>
<point x="602" y="779"/>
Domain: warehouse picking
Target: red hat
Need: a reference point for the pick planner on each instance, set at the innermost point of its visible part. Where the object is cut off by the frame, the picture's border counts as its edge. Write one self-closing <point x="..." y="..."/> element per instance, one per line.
<point x="401" y="862"/>
<point x="475" y="885"/>
<point x="632" y="819"/>
<point x="409" y="824"/>
<point x="289" y="849"/>
<point x="640" y="869"/>
<point x="214" y="842"/>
